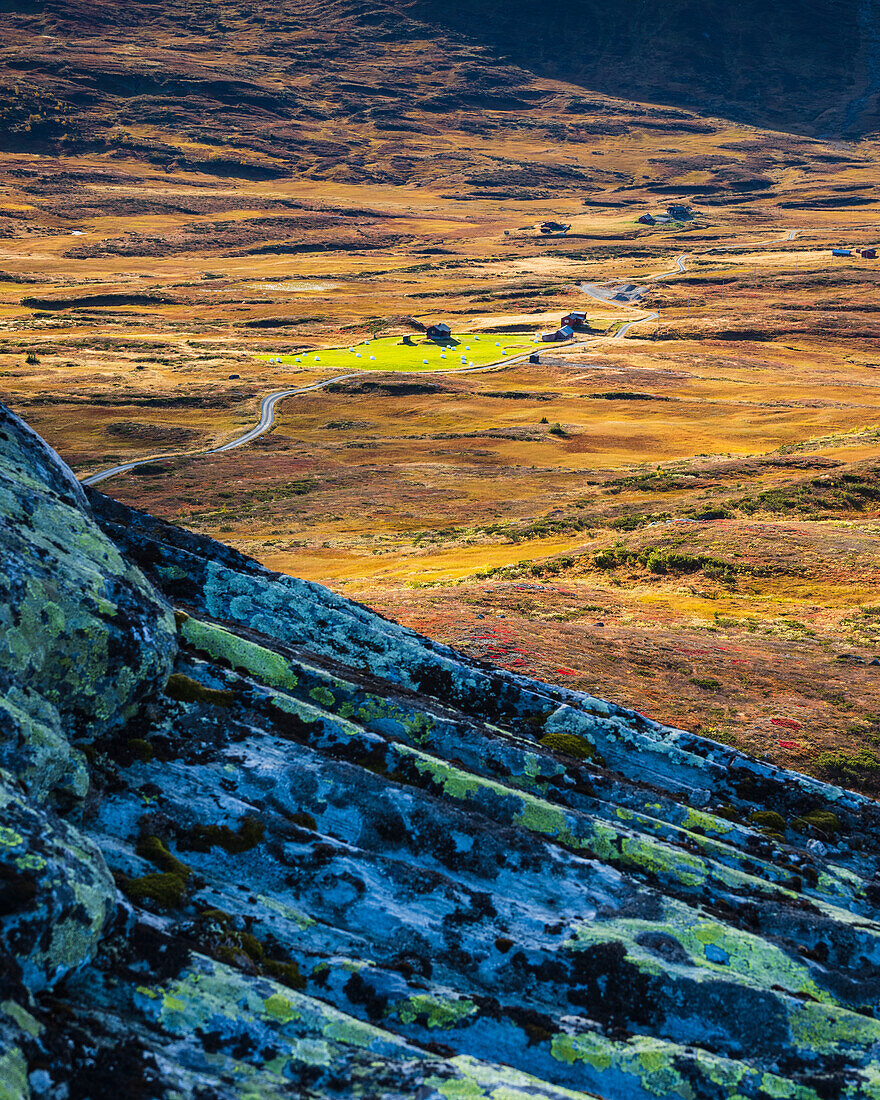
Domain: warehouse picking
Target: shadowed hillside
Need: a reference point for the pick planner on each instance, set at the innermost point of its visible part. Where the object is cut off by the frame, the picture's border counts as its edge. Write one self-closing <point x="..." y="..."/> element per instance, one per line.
<point x="810" y="67"/>
<point x="254" y="86"/>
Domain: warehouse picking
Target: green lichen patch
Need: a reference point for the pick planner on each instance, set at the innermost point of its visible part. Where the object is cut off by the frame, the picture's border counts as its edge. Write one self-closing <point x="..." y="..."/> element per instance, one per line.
<point x="654" y="1067"/>
<point x="434" y="1011"/>
<point x="706" y="946"/>
<point x="262" y="664"/>
<point x="13" y="1075"/>
<point x="829" y="1029"/>
<point x="22" y="1018"/>
<point x="278" y="1007"/>
<point x="56" y="894"/>
<point x="84" y="637"/>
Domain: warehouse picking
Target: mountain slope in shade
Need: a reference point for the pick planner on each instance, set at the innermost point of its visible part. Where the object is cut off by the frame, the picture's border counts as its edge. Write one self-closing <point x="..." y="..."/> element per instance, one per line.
<point x="256" y="89"/>
<point x="807" y="67"/>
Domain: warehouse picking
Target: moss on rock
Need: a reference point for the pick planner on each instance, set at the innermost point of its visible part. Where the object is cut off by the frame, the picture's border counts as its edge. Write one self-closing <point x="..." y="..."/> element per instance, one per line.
<point x="163" y="890"/>
<point x="187" y="690"/>
<point x="767" y="819"/>
<point x="822" y="821"/>
<point x="201" y="838"/>
<point x="569" y="743"/>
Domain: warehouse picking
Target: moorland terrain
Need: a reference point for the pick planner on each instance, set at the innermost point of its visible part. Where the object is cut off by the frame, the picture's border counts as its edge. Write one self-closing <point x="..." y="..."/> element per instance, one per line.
<point x="197" y="203"/>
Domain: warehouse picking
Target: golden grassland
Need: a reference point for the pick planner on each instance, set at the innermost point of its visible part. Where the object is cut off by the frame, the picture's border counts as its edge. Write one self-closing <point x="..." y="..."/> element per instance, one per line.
<point x="685" y="521"/>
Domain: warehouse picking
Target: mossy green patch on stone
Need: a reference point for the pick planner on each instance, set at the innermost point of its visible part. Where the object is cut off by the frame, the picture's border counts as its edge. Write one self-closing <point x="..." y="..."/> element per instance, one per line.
<point x="767" y="819"/>
<point x="823" y="821"/>
<point x="201" y="838"/>
<point x="156" y="851"/>
<point x="164" y="891"/>
<point x="187" y="690"/>
<point x="13" y="1075"/>
<point x="436" y="1012"/>
<point x="569" y="743"/>
<point x="262" y="664"/>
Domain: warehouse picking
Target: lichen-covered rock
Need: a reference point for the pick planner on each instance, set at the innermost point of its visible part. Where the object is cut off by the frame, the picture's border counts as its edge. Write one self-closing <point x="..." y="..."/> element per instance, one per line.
<point x="427" y="855"/>
<point x="355" y="863"/>
<point x="56" y="894"/>
<point x="83" y="637"/>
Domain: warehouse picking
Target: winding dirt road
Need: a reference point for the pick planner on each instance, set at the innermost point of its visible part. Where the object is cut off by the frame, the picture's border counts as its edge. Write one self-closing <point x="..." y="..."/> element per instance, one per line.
<point x="269" y="402"/>
<point x="267" y="416"/>
<point x="679" y="269"/>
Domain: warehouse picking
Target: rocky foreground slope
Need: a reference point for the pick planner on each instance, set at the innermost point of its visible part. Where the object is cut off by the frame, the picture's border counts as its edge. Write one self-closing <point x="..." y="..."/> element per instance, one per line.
<point x="256" y="841"/>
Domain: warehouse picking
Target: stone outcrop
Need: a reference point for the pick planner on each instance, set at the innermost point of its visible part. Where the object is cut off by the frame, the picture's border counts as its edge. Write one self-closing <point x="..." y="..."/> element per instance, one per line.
<point x="83" y="636"/>
<point x="349" y="861"/>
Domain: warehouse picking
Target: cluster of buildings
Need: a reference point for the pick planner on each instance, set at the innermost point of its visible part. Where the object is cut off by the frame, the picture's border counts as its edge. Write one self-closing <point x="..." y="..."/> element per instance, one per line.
<point x="553" y="229"/>
<point x="865" y="253"/>
<point x="674" y="213"/>
<point x="571" y="323"/>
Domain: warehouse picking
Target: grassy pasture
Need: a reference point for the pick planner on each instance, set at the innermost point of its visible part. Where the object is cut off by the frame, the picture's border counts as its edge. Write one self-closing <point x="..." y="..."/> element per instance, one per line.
<point x="392" y="354"/>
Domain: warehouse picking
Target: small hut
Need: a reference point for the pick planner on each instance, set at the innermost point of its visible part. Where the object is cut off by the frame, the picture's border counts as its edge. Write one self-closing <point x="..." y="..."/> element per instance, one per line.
<point x="561" y="334"/>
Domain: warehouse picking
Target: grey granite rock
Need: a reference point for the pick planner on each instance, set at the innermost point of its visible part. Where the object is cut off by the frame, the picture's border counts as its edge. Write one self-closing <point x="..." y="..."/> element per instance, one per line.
<point x="353" y="862"/>
<point x="83" y="637"/>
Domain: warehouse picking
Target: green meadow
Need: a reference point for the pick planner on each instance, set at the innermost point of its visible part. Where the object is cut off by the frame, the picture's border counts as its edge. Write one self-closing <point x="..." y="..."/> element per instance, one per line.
<point x="391" y="354"/>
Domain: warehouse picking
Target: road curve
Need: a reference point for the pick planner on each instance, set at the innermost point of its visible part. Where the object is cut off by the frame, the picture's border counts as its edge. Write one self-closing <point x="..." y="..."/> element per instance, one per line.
<point x="268" y="403"/>
<point x="622" y="331"/>
<point x="267" y="419"/>
<point x="679" y="269"/>
<point x="267" y="416"/>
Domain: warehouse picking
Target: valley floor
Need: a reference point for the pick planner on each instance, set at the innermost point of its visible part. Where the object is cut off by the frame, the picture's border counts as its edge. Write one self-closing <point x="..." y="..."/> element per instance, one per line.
<point x="684" y="520"/>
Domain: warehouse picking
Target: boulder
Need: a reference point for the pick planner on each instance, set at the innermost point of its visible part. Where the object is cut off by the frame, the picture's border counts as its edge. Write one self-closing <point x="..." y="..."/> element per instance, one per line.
<point x="83" y="636"/>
